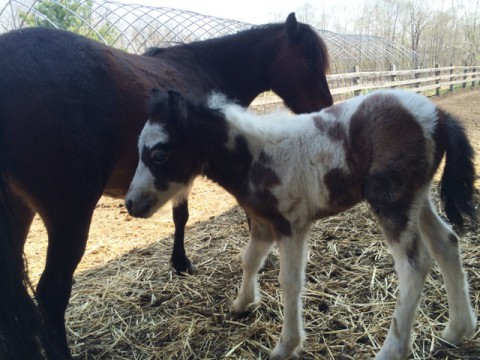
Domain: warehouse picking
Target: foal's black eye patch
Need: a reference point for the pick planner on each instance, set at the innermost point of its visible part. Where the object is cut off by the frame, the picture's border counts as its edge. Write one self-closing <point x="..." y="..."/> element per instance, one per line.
<point x="156" y="155"/>
<point x="159" y="157"/>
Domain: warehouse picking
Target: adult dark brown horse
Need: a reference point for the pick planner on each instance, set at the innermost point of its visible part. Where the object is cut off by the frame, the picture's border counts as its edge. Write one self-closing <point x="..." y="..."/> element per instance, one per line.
<point x="71" y="110"/>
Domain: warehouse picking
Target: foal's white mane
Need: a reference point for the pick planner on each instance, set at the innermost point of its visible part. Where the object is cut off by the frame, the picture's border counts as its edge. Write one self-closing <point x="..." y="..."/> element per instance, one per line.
<point x="269" y="127"/>
<point x="278" y="122"/>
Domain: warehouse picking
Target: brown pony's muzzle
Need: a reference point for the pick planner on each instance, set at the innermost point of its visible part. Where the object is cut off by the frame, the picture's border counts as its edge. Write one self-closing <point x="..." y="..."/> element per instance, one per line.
<point x="326" y="99"/>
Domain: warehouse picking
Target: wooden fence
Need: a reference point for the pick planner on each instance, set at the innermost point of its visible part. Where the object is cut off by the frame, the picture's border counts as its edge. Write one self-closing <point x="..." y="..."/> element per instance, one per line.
<point x="433" y="81"/>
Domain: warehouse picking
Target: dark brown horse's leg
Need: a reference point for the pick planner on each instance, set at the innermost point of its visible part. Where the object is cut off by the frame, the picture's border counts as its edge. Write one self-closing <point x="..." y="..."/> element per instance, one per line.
<point x="67" y="238"/>
<point x="22" y="218"/>
<point x="22" y="334"/>
<point x="179" y="259"/>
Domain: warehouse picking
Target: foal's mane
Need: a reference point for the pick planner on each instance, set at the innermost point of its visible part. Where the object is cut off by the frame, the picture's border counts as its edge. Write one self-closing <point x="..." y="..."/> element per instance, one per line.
<point x="275" y="123"/>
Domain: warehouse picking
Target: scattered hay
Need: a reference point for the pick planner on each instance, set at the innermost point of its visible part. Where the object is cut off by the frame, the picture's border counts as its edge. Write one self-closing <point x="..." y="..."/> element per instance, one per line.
<point x="128" y="304"/>
<point x="135" y="307"/>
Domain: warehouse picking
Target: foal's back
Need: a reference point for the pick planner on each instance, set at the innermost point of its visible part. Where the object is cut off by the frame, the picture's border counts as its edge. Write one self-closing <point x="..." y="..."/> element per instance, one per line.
<point x="359" y="149"/>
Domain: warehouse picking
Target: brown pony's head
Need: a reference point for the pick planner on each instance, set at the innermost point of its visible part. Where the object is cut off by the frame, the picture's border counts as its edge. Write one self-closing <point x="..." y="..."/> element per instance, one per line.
<point x="298" y="73"/>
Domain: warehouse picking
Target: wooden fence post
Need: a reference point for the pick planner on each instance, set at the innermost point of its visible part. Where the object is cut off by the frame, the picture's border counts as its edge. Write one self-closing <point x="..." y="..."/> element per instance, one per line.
<point x="452" y="71"/>
<point x="474" y="76"/>
<point x="465" y="70"/>
<point x="437" y="81"/>
<point x="417" y="76"/>
<point x="356" y="80"/>
<point x="393" y="74"/>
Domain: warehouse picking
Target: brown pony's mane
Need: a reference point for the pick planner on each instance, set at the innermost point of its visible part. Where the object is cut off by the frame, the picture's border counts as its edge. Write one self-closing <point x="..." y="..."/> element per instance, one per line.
<point x="314" y="44"/>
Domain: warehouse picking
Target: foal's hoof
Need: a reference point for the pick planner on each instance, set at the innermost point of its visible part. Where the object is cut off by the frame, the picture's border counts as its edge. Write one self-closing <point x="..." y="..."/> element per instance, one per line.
<point x="285" y="351"/>
<point x="455" y="336"/>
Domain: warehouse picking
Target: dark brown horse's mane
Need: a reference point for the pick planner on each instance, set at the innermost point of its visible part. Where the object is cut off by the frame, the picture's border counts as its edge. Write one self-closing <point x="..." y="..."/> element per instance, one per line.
<point x="257" y="29"/>
<point x="153" y="51"/>
<point x="314" y="44"/>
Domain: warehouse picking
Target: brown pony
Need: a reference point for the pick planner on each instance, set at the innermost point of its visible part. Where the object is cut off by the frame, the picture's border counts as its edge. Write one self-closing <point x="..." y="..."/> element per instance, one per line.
<point x="71" y="111"/>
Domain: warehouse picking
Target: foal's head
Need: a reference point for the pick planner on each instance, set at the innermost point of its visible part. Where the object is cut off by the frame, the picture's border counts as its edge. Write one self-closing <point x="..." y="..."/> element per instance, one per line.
<point x="171" y="152"/>
<point x="297" y="75"/>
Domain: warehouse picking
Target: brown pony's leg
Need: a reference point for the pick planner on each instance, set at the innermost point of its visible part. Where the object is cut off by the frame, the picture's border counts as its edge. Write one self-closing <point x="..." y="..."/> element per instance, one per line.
<point x="67" y="238"/>
<point x="22" y="334"/>
<point x="22" y="217"/>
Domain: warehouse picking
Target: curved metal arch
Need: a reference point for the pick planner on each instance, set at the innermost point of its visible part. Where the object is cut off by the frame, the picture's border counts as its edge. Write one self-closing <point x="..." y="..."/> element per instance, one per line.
<point x="134" y="28"/>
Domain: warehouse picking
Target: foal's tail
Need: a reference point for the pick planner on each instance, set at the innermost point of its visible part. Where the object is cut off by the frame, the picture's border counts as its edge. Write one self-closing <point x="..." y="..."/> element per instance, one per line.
<point x="458" y="177"/>
<point x="22" y="334"/>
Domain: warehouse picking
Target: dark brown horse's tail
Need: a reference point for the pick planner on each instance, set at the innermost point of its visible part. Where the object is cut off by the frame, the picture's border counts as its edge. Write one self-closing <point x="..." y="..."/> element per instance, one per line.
<point x="22" y="334"/>
<point x="458" y="177"/>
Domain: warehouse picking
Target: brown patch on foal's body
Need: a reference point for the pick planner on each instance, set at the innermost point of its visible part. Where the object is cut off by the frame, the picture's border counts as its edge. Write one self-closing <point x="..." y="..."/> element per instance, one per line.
<point x="333" y="129"/>
<point x="385" y="172"/>
<point x="262" y="175"/>
<point x="261" y="203"/>
<point x="391" y="172"/>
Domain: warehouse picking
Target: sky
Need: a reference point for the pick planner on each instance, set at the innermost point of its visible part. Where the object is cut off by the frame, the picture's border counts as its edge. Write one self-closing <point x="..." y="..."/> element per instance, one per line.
<point x="250" y="11"/>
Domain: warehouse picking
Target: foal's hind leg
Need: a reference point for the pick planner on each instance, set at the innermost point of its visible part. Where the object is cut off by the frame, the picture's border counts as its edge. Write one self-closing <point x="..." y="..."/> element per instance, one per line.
<point x="67" y="237"/>
<point x="180" y="261"/>
<point x="412" y="264"/>
<point x="443" y="244"/>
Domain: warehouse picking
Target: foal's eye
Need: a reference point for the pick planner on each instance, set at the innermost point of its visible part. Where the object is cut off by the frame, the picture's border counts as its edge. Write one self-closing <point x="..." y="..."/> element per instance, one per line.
<point x="159" y="157"/>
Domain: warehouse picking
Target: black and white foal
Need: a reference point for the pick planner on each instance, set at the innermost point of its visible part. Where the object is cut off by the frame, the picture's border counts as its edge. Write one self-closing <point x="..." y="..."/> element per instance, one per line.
<point x="383" y="148"/>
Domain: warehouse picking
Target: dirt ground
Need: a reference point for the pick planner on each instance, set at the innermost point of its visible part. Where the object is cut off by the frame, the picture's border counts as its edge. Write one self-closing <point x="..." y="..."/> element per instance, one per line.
<point x="128" y="304"/>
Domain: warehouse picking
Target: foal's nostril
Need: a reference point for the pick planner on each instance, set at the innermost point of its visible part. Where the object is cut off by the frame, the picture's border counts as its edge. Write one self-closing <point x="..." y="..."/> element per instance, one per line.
<point x="129" y="204"/>
<point x="146" y="208"/>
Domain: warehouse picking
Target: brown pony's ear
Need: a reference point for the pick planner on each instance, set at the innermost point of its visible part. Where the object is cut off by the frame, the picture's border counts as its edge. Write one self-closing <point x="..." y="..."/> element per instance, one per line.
<point x="291" y="27"/>
<point x="177" y="114"/>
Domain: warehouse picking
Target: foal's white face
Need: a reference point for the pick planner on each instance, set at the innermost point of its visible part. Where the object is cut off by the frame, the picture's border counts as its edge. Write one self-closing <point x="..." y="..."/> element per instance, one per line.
<point x="151" y="186"/>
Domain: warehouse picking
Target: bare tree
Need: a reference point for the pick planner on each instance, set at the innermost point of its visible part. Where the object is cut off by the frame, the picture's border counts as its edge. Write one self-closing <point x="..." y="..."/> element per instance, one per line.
<point x="419" y="17"/>
<point x="472" y="37"/>
<point x="440" y="31"/>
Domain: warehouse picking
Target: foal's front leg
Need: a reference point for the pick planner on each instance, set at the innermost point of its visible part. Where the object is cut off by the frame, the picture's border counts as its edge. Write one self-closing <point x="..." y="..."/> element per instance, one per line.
<point x="258" y="247"/>
<point x="292" y="274"/>
<point x="180" y="261"/>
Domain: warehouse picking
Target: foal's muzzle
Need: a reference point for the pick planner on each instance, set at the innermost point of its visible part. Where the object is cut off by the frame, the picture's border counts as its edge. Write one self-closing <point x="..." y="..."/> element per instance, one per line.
<point x="140" y="206"/>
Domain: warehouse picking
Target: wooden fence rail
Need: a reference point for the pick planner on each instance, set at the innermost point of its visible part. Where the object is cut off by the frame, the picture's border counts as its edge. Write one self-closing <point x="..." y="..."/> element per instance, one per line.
<point x="418" y="80"/>
<point x="432" y="81"/>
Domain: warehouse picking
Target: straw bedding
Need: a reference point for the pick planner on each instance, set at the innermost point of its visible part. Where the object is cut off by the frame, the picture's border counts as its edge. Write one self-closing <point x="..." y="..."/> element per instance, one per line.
<point x="128" y="304"/>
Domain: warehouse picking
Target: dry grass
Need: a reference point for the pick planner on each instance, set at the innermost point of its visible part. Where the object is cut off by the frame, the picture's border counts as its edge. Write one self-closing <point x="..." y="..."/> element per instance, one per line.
<point x="128" y="304"/>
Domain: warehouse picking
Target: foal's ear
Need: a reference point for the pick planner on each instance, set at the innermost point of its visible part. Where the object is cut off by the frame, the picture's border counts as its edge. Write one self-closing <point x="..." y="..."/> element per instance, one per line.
<point x="291" y="27"/>
<point x="177" y="110"/>
<point x="156" y="103"/>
